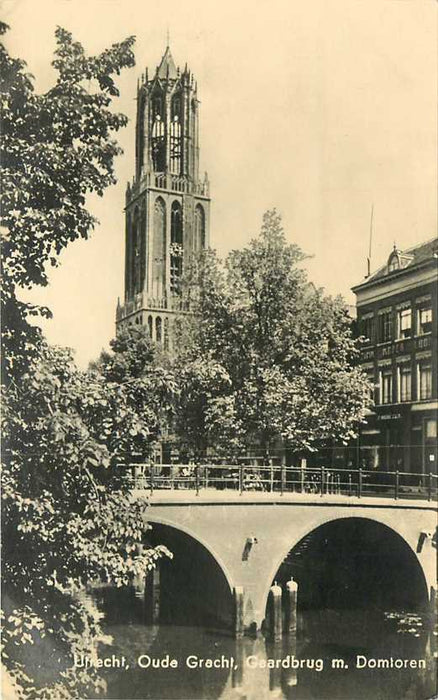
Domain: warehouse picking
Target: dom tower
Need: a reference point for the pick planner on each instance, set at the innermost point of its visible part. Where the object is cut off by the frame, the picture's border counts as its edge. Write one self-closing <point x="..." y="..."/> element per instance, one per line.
<point x="167" y="205"/>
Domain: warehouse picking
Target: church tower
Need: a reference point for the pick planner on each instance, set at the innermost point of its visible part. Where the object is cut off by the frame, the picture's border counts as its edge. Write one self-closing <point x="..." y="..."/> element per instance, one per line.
<point x="167" y="205"/>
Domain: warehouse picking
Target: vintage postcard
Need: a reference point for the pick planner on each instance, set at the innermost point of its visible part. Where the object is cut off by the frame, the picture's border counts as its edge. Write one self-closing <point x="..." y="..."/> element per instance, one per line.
<point x="219" y="323"/>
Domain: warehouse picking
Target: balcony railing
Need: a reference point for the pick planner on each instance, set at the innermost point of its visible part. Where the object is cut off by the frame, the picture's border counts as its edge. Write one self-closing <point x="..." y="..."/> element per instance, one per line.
<point x="275" y="479"/>
<point x="170" y="182"/>
<point x="142" y="301"/>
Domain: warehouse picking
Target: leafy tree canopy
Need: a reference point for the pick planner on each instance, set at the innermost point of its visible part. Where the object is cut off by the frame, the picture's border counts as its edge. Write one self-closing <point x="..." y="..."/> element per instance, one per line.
<point x="56" y="148"/>
<point x="275" y="353"/>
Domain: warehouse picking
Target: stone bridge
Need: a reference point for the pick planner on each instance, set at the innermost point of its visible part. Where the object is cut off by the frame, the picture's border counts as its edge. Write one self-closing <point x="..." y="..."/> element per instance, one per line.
<point x="232" y="545"/>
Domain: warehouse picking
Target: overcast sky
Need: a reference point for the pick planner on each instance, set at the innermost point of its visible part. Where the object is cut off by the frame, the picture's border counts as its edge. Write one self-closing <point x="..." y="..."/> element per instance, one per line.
<point x="318" y="108"/>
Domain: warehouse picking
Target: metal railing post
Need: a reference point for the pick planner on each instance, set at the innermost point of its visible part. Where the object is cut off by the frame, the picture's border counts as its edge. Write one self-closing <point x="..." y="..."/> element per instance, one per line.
<point x="283" y="474"/>
<point x="302" y="478"/>
<point x="241" y="478"/>
<point x="350" y="489"/>
<point x="429" y="487"/>
<point x="397" y="484"/>
<point x="151" y="478"/>
<point x="359" y="490"/>
<point x="197" y="479"/>
<point x="322" y="480"/>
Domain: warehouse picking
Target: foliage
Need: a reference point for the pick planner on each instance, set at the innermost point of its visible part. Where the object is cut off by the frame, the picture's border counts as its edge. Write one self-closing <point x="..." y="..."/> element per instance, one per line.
<point x="67" y="516"/>
<point x="278" y="352"/>
<point x="67" y="519"/>
<point x="56" y="149"/>
<point x="149" y="383"/>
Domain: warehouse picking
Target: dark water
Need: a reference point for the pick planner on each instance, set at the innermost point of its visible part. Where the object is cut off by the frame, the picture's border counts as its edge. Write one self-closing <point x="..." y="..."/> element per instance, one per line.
<point x="243" y="668"/>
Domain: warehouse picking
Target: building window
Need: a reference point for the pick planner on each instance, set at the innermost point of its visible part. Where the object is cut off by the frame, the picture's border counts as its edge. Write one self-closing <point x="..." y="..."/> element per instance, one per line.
<point x="385" y="326"/>
<point x="166" y="334"/>
<point x="371" y="385"/>
<point x="158" y="329"/>
<point x="158" y="145"/>
<point x="175" y="146"/>
<point x="176" y="248"/>
<point x="424" y="380"/>
<point x="404" y="323"/>
<point x="159" y="250"/>
<point x="176" y="232"/>
<point x="150" y="322"/>
<point x="431" y="428"/>
<point x="405" y="383"/>
<point x="367" y="328"/>
<point x="386" y="386"/>
<point x="176" y="268"/>
<point x="424" y="320"/>
<point x="199" y="237"/>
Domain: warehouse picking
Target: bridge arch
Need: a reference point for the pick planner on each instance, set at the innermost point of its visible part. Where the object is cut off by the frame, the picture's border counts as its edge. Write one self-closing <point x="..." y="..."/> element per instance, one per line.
<point x="381" y="534"/>
<point x="200" y="583"/>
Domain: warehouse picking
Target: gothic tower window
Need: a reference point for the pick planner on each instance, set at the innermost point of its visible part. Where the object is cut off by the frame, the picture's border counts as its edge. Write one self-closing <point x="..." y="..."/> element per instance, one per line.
<point x="150" y="326"/>
<point x="158" y="329"/>
<point x="166" y="334"/>
<point x="199" y="234"/>
<point x="135" y="255"/>
<point x="176" y="247"/>
<point x="142" y="247"/>
<point x="175" y="137"/>
<point x="176" y="224"/>
<point x="158" y="137"/>
<point x="159" y="249"/>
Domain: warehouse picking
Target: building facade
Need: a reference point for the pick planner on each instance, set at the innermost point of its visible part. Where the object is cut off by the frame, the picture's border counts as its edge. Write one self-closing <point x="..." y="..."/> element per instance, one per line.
<point x="167" y="205"/>
<point x="397" y="316"/>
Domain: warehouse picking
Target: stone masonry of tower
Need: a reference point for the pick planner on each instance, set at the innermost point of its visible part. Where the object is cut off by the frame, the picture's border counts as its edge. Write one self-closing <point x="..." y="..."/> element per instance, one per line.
<point x="167" y="205"/>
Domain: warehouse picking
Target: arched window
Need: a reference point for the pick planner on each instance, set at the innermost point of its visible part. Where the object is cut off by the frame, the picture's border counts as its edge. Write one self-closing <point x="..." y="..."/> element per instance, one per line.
<point x="158" y="250"/>
<point x="166" y="334"/>
<point x="199" y="234"/>
<point x="143" y="251"/>
<point x="135" y="254"/>
<point x="176" y="233"/>
<point x="176" y="247"/>
<point x="175" y="136"/>
<point x="158" y="329"/>
<point x="150" y="326"/>
<point x="158" y="144"/>
<point x="175" y="146"/>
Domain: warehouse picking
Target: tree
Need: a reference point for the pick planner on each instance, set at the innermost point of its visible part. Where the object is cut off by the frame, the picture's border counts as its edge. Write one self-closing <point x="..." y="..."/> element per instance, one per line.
<point x="137" y="364"/>
<point x="56" y="149"/>
<point x="68" y="517"/>
<point x="68" y="520"/>
<point x="283" y="349"/>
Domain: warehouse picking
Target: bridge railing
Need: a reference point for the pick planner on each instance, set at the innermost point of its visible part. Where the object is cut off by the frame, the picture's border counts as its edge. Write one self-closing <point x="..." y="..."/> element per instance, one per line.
<point x="269" y="478"/>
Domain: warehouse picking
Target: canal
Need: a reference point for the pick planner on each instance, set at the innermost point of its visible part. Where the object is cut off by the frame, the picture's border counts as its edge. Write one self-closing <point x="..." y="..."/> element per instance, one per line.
<point x="362" y="628"/>
<point x="334" y="654"/>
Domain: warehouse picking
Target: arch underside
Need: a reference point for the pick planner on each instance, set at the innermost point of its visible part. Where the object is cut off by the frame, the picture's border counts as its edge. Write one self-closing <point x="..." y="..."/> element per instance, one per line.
<point x="354" y="563"/>
<point x="194" y="588"/>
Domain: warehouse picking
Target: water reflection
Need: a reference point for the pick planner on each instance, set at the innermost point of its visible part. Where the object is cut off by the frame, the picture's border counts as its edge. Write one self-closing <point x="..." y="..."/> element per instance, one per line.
<point x="318" y="663"/>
